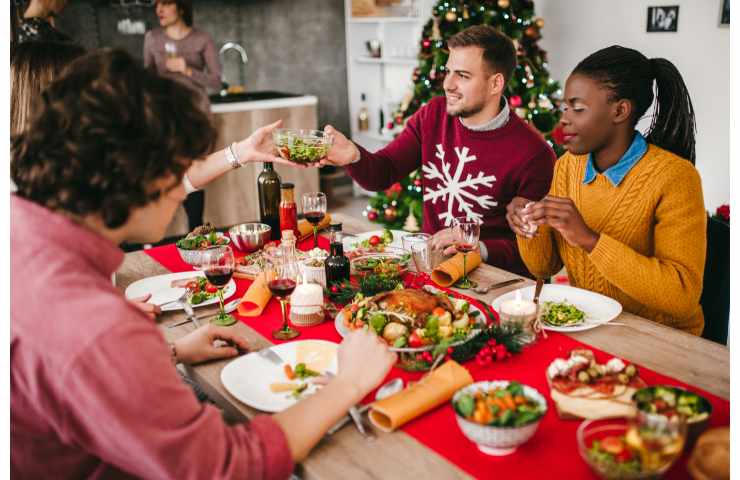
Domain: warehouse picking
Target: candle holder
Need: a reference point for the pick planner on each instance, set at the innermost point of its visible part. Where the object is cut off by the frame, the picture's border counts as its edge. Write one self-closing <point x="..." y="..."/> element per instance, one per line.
<point x="522" y="312"/>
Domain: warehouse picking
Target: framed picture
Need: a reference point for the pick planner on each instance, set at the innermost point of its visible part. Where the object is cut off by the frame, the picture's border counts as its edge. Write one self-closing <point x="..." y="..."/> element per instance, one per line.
<point x="724" y="14"/>
<point x="663" y="19"/>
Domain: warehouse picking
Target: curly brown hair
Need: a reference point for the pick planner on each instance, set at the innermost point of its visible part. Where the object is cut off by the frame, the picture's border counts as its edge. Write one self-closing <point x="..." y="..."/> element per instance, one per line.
<point x="107" y="130"/>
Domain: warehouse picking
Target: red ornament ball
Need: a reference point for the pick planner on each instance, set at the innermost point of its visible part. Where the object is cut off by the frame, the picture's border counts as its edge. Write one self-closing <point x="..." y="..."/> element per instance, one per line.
<point x="334" y="289"/>
<point x="426" y="43"/>
<point x="372" y="215"/>
<point x="417" y="183"/>
<point x="515" y="101"/>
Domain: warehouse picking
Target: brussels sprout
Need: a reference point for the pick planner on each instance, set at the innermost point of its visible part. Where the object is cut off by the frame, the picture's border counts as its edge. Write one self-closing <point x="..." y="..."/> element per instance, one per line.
<point x="377" y="321"/>
<point x="387" y="236"/>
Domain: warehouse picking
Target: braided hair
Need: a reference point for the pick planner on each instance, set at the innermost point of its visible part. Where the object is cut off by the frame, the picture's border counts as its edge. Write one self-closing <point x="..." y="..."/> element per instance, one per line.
<point x="629" y="75"/>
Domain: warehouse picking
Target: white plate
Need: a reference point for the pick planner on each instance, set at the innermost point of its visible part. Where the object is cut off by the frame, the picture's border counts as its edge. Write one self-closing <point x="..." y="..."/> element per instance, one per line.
<point x="344" y="331"/>
<point x="248" y="378"/>
<point x="162" y="292"/>
<point x="599" y="309"/>
<point x="349" y="243"/>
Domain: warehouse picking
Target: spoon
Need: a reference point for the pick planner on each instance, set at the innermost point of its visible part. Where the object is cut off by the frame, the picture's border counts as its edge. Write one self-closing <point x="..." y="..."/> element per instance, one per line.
<point x="385" y="391"/>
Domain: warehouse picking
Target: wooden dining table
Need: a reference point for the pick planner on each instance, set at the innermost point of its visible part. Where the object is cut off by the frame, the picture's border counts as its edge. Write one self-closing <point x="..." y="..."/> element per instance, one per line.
<point x="346" y="454"/>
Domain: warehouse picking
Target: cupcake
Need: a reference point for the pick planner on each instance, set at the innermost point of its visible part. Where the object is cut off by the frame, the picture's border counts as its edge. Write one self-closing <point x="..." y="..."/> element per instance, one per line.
<point x="307" y="305"/>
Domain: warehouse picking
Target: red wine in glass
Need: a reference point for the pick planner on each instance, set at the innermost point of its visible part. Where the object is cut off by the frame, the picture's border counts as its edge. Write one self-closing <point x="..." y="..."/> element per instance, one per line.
<point x="314" y="218"/>
<point x="220" y="276"/>
<point x="281" y="287"/>
<point x="464" y="247"/>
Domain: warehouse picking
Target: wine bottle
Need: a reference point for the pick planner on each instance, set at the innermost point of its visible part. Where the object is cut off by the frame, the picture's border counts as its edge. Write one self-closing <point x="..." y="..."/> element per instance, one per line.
<point x="268" y="190"/>
<point x="336" y="264"/>
<point x="363" y="118"/>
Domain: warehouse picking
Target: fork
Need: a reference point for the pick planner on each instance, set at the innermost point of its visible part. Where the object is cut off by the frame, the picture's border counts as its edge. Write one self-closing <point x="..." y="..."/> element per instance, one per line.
<point x="180" y="300"/>
<point x="268" y="354"/>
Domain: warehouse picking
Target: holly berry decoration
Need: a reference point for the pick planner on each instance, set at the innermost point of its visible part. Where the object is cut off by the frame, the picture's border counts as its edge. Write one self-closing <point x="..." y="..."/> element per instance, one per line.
<point x="491" y="352"/>
<point x="334" y="289"/>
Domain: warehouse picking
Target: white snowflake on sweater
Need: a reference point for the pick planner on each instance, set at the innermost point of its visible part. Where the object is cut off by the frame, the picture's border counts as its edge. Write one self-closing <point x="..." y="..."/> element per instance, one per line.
<point x="454" y="190"/>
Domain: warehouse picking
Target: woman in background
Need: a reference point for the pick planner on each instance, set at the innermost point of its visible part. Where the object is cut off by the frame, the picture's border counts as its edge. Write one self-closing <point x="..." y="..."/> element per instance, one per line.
<point x="37" y="22"/>
<point x="625" y="213"/>
<point x="186" y="54"/>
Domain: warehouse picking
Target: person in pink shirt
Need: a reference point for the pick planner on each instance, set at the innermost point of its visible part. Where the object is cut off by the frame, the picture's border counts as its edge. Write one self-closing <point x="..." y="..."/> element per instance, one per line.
<point x="94" y="391"/>
<point x="474" y="154"/>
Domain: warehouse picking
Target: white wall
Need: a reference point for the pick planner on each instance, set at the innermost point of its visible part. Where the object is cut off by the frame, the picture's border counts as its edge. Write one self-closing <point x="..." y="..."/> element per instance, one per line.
<point x="700" y="50"/>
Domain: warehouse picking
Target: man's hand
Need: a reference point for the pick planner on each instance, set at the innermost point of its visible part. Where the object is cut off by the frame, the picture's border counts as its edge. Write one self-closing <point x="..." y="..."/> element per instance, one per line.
<point x="197" y="346"/>
<point x="364" y="360"/>
<point x="562" y="215"/>
<point x="342" y="152"/>
<point x="445" y="240"/>
<point x="515" y="211"/>
<point x="176" y="65"/>
<point x="149" y="309"/>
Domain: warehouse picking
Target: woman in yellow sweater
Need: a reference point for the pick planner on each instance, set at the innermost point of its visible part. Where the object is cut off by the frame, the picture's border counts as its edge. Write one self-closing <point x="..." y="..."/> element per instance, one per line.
<point x="625" y="213"/>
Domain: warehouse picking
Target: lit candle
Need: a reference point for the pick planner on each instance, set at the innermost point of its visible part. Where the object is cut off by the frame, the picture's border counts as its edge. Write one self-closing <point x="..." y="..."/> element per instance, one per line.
<point x="520" y="311"/>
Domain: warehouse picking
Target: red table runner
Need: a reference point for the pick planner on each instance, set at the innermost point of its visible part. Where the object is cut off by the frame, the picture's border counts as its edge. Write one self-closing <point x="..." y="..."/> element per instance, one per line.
<point x="552" y="451"/>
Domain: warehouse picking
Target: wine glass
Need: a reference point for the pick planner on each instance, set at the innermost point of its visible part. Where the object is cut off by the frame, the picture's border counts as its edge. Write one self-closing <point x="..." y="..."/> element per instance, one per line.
<point x="281" y="275"/>
<point x="314" y="209"/>
<point x="467" y="234"/>
<point x="170" y="49"/>
<point x="218" y="265"/>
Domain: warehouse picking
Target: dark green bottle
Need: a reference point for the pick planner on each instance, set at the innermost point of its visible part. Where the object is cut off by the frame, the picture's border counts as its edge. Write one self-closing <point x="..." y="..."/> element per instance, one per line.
<point x="268" y="189"/>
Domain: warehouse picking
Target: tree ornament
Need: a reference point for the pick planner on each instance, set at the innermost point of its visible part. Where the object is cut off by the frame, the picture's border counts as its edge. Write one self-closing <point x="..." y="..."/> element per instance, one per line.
<point x="391" y="213"/>
<point x="521" y="112"/>
<point x="426" y="43"/>
<point x="436" y="35"/>
<point x="504" y="3"/>
<point x="372" y="215"/>
<point x="531" y="104"/>
<point x="450" y="16"/>
<point x="433" y="71"/>
<point x="411" y="224"/>
<point x="532" y="32"/>
<point x="540" y="22"/>
<point x="545" y="103"/>
<point x="466" y="13"/>
<point x="515" y="101"/>
<point x="417" y="182"/>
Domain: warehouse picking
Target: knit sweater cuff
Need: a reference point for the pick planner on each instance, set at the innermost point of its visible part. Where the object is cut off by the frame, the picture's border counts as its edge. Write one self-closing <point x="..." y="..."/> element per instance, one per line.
<point x="605" y="253"/>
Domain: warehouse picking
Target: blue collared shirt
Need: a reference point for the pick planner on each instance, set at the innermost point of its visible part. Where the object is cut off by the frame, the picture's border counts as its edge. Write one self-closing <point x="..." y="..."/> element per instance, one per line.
<point x="619" y="170"/>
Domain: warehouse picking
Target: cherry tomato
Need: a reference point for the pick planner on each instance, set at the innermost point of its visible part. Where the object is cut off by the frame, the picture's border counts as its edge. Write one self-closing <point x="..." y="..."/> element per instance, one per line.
<point x="624" y="456"/>
<point x="374" y="240"/>
<point x="612" y="445"/>
<point x="210" y="288"/>
<point x="415" y="341"/>
<point x="192" y="286"/>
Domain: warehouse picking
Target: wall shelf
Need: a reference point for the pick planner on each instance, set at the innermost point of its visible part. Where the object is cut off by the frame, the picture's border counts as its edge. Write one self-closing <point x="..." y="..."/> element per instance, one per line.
<point x="383" y="19"/>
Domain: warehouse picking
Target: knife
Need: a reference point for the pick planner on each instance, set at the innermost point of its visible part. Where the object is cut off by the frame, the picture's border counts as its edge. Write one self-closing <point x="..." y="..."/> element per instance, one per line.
<point x="537" y="324"/>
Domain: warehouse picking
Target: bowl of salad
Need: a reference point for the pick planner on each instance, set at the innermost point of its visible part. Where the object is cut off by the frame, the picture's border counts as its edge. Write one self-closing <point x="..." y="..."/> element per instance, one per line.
<point x="192" y="246"/>
<point x="498" y="416"/>
<point x="393" y="262"/>
<point x="625" y="449"/>
<point x="561" y="314"/>
<point x="674" y="404"/>
<point x="302" y="146"/>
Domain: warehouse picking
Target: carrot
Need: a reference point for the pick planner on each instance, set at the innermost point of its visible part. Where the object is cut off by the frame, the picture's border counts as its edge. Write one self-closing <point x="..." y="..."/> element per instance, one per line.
<point x="520" y="400"/>
<point x="289" y="372"/>
<point x="501" y="404"/>
<point x="439" y="311"/>
<point x="509" y="402"/>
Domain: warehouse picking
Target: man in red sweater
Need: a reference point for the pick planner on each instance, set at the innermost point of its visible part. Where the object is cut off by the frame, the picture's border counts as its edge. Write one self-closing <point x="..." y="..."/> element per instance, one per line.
<point x="475" y="155"/>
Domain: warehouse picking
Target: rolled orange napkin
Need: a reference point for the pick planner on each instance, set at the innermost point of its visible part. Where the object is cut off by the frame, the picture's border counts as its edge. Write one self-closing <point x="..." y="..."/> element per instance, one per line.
<point x="255" y="298"/>
<point x="435" y="389"/>
<point x="305" y="229"/>
<point x="450" y="271"/>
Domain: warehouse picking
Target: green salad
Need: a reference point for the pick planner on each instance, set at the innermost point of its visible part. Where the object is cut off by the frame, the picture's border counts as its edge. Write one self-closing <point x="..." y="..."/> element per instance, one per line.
<point x="201" y="242"/>
<point x="671" y="402"/>
<point x="562" y="314"/>
<point x="302" y="150"/>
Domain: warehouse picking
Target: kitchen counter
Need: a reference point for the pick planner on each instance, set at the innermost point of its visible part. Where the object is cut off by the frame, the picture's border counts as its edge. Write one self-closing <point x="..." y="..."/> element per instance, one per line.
<point x="289" y="102"/>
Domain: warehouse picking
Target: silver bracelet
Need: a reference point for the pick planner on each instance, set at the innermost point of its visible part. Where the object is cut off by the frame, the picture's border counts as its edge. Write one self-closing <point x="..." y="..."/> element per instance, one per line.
<point x="231" y="156"/>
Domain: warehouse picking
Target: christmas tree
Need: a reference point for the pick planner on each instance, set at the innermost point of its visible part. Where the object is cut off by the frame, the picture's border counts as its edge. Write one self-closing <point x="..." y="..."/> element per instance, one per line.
<point x="532" y="94"/>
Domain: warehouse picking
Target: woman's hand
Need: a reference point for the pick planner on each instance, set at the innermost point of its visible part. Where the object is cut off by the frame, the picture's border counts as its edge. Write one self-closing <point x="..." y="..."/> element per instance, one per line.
<point x="198" y="346"/>
<point x="364" y="361"/>
<point x="562" y="215"/>
<point x="515" y="211"/>
<point x="176" y="65"/>
<point x="260" y="147"/>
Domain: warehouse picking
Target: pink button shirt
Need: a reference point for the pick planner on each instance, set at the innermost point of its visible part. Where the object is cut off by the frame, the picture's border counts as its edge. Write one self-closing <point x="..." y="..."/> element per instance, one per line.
<point x="93" y="391"/>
